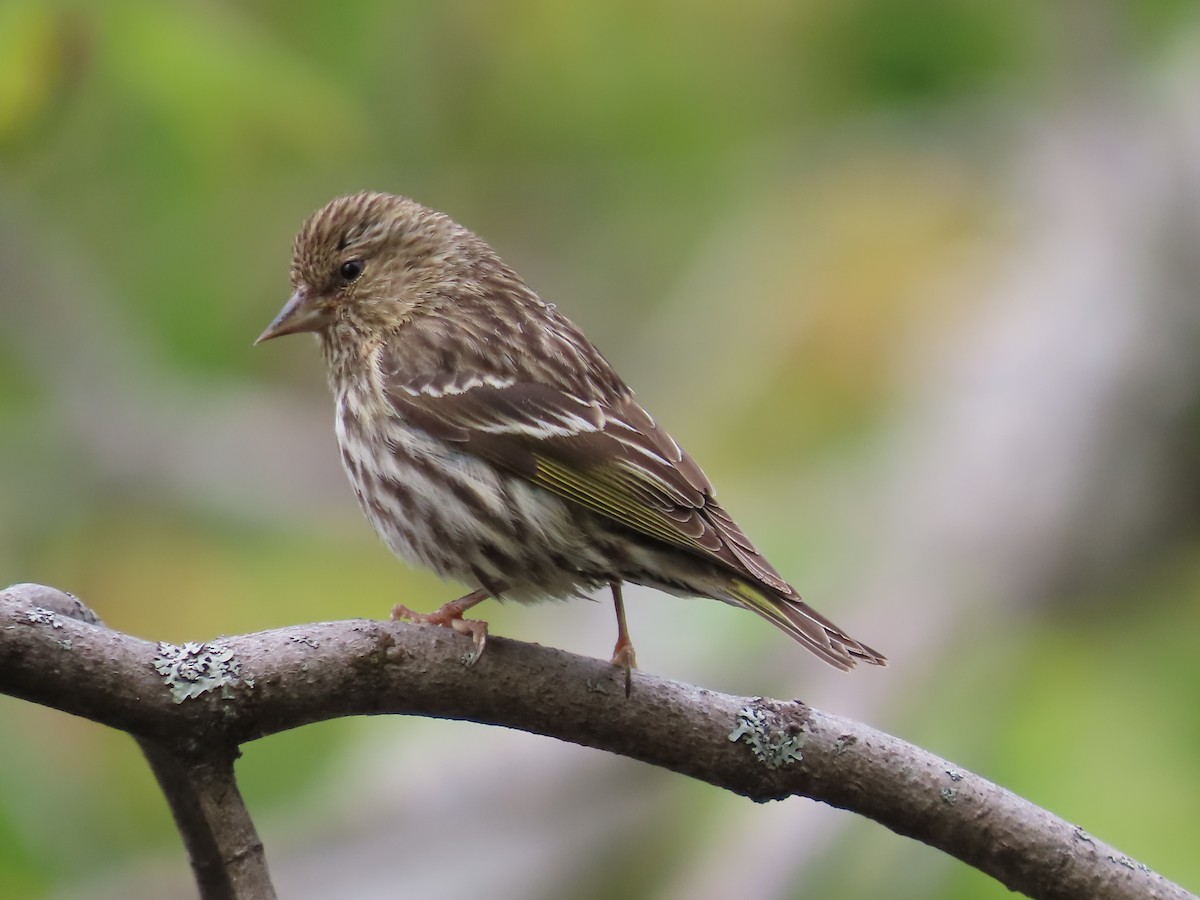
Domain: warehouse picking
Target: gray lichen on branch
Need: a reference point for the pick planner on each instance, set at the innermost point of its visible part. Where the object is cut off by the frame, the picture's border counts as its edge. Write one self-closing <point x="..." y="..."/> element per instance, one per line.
<point x="771" y="738"/>
<point x="194" y="669"/>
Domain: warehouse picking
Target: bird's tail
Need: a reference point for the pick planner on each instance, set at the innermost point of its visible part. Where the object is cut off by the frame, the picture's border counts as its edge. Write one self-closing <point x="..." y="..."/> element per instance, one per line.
<point x="805" y="625"/>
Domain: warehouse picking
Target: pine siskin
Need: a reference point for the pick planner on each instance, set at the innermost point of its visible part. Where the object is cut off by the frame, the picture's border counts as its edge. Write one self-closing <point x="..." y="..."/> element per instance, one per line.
<point x="487" y="439"/>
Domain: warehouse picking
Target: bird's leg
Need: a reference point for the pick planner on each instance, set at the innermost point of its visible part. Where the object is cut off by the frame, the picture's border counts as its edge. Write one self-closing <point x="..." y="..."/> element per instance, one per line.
<point x="450" y="615"/>
<point x="623" y="654"/>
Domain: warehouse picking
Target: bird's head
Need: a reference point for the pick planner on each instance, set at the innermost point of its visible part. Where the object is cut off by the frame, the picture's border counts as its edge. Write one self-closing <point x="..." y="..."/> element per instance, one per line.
<point x="367" y="263"/>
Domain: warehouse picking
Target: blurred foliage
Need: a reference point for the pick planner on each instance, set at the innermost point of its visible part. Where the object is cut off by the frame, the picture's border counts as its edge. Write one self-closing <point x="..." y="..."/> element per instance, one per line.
<point x="156" y="158"/>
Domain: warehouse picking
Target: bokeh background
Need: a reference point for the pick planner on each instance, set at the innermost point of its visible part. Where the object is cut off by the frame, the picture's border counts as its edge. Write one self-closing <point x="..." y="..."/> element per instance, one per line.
<point x="915" y="280"/>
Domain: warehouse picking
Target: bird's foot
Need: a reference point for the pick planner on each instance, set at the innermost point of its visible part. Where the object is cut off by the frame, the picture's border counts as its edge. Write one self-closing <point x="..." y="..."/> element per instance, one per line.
<point x="450" y="615"/>
<point x="623" y="654"/>
<point x="623" y="657"/>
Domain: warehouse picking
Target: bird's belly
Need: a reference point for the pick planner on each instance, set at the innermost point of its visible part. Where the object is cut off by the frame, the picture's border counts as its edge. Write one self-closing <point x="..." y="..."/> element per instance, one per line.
<point x="439" y="507"/>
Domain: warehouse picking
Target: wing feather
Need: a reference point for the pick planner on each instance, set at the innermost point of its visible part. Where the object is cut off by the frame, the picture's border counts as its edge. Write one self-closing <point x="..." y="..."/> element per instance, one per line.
<point x="606" y="455"/>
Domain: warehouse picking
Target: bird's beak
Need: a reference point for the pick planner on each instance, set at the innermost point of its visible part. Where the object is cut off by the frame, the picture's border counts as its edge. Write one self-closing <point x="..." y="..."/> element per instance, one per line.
<point x="298" y="314"/>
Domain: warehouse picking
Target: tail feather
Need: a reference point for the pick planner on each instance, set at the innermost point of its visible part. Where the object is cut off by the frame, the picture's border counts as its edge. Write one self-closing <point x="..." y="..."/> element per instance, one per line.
<point x="807" y="626"/>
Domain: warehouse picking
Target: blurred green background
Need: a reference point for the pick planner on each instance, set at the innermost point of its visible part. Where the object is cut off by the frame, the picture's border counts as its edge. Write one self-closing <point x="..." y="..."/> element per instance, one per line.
<point x="915" y="280"/>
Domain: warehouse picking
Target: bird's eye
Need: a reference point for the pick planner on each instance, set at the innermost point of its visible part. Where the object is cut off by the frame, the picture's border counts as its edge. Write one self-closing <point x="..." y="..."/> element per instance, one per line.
<point x="351" y="269"/>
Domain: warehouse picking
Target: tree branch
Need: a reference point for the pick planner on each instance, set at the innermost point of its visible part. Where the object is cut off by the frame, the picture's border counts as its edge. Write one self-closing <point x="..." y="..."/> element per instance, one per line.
<point x="199" y="702"/>
<point x="223" y="846"/>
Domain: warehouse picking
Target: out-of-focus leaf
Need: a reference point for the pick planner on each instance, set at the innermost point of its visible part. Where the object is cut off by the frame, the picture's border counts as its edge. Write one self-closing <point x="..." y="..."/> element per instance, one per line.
<point x="41" y="55"/>
<point x="864" y="54"/>
<point x="222" y="93"/>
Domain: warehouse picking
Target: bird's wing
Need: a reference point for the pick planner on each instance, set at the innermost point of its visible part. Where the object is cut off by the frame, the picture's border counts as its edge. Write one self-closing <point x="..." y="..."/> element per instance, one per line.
<point x="607" y="455"/>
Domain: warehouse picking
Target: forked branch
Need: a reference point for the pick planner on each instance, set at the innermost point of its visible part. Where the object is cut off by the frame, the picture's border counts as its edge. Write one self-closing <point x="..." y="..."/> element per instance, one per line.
<point x="192" y="706"/>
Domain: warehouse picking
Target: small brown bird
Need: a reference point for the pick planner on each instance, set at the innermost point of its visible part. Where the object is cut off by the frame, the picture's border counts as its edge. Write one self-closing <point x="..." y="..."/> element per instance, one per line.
<point x="487" y="439"/>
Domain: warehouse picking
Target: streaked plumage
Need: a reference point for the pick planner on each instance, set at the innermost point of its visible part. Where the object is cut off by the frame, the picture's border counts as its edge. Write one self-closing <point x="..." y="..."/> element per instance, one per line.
<point x="487" y="439"/>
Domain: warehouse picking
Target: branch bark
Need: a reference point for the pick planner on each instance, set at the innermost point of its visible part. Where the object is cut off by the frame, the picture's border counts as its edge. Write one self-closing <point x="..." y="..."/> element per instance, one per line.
<point x="223" y="846"/>
<point x="194" y="705"/>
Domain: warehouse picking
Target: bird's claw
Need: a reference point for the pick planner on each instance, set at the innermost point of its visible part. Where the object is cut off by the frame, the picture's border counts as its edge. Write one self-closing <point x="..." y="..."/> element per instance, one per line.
<point x="449" y="616"/>
<point x="478" y="630"/>
<point x="624" y="657"/>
